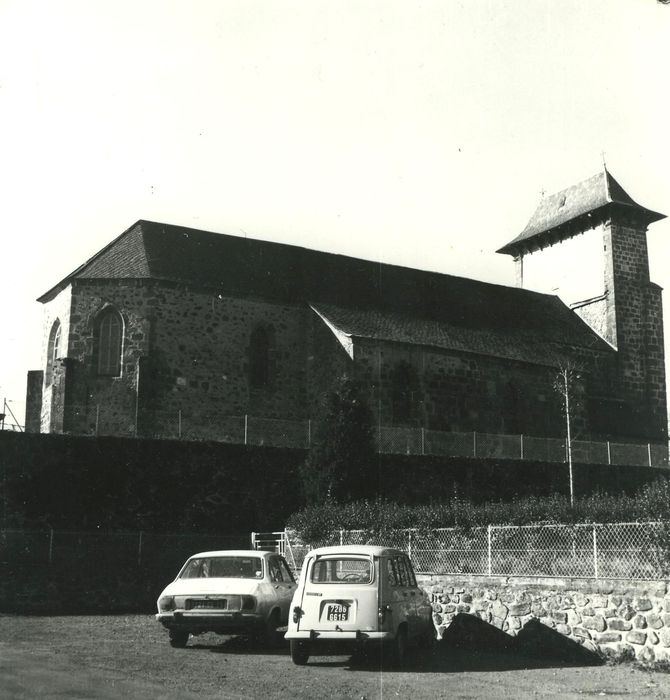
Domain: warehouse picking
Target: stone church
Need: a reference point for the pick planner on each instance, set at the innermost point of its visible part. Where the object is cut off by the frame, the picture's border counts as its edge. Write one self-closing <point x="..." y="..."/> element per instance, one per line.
<point x="169" y="321"/>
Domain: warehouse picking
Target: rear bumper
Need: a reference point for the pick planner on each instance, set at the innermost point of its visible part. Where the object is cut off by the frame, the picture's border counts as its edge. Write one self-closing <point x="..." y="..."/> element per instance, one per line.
<point x="233" y="622"/>
<point x="333" y="636"/>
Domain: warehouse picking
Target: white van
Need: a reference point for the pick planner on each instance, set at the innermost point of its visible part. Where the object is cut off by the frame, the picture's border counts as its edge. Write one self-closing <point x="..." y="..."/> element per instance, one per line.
<point x="358" y="594"/>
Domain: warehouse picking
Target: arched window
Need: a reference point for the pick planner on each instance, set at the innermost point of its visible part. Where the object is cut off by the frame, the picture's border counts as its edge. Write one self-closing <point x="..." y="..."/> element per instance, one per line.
<point x="109" y="343"/>
<point x="260" y="346"/>
<point x="53" y="350"/>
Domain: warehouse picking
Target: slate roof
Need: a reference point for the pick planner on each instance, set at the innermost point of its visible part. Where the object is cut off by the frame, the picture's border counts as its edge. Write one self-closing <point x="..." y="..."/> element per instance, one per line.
<point x="514" y="343"/>
<point x="384" y="301"/>
<point x="580" y="205"/>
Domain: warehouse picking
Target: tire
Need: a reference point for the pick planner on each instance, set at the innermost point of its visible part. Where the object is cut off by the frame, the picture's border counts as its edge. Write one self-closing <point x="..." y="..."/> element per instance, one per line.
<point x="178" y="638"/>
<point x="299" y="652"/>
<point x="399" y="649"/>
<point x="270" y="634"/>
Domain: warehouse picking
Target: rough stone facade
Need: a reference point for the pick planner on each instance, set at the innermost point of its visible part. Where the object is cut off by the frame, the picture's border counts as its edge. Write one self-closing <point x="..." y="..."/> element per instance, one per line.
<point x="184" y="351"/>
<point x="614" y="617"/>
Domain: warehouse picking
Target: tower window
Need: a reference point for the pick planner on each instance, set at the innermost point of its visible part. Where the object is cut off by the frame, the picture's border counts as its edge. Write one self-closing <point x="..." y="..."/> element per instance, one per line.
<point x="109" y="343"/>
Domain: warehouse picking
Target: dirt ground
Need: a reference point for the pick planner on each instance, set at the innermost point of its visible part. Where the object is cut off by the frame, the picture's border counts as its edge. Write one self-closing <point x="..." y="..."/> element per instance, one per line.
<point x="128" y="656"/>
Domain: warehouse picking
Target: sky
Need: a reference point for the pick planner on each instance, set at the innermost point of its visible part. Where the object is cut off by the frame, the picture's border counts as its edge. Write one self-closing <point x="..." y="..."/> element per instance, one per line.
<point x="416" y="133"/>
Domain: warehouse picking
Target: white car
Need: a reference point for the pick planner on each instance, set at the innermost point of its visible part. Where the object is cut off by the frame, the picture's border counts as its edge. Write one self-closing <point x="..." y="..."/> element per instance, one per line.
<point x="228" y="592"/>
<point x="353" y="595"/>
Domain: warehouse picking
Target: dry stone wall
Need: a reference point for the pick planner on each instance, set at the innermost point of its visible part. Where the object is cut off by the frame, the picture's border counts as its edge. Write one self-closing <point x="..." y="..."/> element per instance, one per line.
<point x="614" y="617"/>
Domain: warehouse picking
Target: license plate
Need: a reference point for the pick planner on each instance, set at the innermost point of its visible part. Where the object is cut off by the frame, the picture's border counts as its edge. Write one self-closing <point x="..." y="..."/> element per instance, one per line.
<point x="337" y="612"/>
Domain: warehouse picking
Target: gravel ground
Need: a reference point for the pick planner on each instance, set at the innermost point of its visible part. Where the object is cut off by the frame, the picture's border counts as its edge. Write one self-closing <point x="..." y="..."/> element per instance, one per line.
<point x="115" y="656"/>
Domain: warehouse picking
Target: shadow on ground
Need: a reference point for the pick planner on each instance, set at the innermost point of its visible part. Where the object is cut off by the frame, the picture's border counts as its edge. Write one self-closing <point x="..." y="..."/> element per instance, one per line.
<point x="468" y="644"/>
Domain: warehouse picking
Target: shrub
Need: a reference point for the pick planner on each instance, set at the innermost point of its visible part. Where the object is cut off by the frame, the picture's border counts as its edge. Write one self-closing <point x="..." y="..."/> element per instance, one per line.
<point x="318" y="521"/>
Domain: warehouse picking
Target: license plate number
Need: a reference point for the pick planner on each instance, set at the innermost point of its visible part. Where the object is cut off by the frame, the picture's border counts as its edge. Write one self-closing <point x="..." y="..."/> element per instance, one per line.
<point x="338" y="613"/>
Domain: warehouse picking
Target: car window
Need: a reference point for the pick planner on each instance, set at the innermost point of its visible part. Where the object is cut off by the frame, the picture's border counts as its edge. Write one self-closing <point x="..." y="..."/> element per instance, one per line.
<point x="276" y="573"/>
<point x="410" y="572"/>
<point x="342" y="570"/>
<point x="288" y="576"/>
<point x="392" y="572"/>
<point x="223" y="567"/>
<point x="402" y="574"/>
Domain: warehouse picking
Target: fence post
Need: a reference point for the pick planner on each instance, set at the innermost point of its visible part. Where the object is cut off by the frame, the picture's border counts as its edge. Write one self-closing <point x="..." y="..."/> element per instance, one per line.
<point x="595" y="553"/>
<point x="51" y="545"/>
<point x="649" y="452"/>
<point x="521" y="445"/>
<point x="139" y="550"/>
<point x="246" y="428"/>
<point x="489" y="548"/>
<point x="341" y="537"/>
<point x="97" y="418"/>
<point x="609" y="453"/>
<point x="409" y="544"/>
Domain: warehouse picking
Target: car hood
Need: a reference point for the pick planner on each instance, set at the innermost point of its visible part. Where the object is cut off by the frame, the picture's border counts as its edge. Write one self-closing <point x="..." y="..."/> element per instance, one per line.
<point x="212" y="586"/>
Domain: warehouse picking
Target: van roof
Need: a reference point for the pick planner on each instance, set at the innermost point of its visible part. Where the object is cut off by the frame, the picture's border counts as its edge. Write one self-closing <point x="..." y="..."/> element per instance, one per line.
<point x="363" y="549"/>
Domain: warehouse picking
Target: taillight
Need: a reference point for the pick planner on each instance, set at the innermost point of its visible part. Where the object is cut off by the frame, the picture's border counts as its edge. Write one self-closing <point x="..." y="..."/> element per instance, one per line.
<point x="166" y="603"/>
<point x="297" y="613"/>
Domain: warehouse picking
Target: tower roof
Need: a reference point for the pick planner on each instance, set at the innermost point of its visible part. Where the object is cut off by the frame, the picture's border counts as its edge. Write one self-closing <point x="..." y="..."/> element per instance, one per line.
<point x="575" y="209"/>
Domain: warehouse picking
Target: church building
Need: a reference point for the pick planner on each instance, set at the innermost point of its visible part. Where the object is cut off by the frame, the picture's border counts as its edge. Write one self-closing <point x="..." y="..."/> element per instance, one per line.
<point x="169" y="324"/>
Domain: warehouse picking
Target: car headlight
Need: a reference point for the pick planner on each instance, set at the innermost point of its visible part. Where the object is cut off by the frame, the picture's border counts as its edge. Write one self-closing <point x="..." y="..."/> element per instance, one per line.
<point x="166" y="603"/>
<point x="248" y="602"/>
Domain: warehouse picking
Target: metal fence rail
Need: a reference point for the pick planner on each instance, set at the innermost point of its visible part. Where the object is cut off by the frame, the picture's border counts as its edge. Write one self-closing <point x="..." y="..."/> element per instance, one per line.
<point x="614" y="550"/>
<point x="275" y="432"/>
<point x="148" y="549"/>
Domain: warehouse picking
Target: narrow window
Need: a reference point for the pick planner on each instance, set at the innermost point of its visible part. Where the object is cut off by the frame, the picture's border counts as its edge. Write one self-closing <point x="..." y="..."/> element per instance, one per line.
<point x="260" y="345"/>
<point x="53" y="352"/>
<point x="109" y="343"/>
<point x="403" y="382"/>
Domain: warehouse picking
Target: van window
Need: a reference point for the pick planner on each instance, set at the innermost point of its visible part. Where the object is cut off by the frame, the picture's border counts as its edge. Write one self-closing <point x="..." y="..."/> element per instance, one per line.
<point x="342" y="570"/>
<point x="400" y="572"/>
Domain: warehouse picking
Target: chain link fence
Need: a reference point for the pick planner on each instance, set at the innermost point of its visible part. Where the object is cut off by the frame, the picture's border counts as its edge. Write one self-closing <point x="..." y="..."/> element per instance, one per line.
<point x="639" y="551"/>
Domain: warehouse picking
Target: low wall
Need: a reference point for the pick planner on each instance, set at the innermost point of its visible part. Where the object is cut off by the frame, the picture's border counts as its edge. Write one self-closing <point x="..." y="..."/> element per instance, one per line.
<point x="616" y="618"/>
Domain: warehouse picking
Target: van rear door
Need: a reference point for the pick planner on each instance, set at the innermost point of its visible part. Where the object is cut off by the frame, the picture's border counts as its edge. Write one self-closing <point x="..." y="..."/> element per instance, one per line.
<point x="340" y="594"/>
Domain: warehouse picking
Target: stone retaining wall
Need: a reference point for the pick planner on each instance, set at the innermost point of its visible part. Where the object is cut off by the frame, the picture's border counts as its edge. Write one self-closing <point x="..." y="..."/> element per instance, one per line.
<point x="614" y="617"/>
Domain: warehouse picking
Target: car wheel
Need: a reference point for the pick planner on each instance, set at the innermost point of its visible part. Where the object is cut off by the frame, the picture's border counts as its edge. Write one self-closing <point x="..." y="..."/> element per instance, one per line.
<point x="271" y="636"/>
<point x="399" y="648"/>
<point x="299" y="652"/>
<point x="178" y="638"/>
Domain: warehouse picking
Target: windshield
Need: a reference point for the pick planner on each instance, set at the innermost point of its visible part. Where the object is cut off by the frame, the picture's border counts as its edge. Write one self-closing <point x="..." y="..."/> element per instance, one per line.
<point x="342" y="570"/>
<point x="223" y="567"/>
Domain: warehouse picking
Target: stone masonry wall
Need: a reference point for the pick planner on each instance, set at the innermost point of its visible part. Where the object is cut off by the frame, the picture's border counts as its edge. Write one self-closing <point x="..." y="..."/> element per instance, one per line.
<point x="614" y="617"/>
<point x="187" y="350"/>
<point x="464" y="392"/>
<point x="636" y="325"/>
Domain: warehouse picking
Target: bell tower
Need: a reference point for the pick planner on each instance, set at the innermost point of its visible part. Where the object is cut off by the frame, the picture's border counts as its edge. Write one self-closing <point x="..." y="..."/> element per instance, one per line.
<point x="588" y="245"/>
